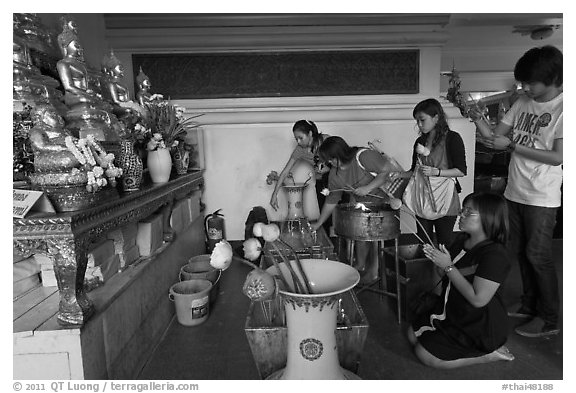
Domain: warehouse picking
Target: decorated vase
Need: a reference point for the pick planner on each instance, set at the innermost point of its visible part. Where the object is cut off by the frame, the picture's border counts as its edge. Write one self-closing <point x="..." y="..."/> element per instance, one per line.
<point x="132" y="166"/>
<point x="295" y="198"/>
<point x="311" y="320"/>
<point x="159" y="164"/>
<point x="181" y="159"/>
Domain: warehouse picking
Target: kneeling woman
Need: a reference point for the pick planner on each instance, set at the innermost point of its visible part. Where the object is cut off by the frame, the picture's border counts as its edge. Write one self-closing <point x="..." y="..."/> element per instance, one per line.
<point x="350" y="172"/>
<point x="469" y="324"/>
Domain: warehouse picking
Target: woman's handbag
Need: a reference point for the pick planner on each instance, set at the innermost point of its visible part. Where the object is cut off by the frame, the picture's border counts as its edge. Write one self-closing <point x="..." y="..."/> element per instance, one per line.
<point x="429" y="197"/>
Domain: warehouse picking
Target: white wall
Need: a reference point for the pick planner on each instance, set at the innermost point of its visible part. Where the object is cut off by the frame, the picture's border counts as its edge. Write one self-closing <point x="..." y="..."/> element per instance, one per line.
<point x="243" y="144"/>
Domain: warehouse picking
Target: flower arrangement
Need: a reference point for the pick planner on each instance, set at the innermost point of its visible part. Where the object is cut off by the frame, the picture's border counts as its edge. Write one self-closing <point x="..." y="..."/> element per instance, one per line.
<point x="96" y="162"/>
<point x="261" y="285"/>
<point x="165" y="125"/>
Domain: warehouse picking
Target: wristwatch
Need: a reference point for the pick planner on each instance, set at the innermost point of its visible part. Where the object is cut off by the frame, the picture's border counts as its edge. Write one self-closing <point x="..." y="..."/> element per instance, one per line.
<point x="449" y="268"/>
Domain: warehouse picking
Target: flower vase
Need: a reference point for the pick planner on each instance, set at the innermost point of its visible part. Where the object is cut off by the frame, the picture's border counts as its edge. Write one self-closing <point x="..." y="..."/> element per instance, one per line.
<point x="132" y="166"/>
<point x="311" y="320"/>
<point x="295" y="199"/>
<point x="181" y="159"/>
<point x="159" y="165"/>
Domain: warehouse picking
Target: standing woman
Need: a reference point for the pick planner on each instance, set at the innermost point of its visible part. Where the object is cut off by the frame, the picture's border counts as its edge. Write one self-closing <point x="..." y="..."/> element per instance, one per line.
<point x="469" y="323"/>
<point x="308" y="141"/>
<point x="441" y="153"/>
<point x="350" y="173"/>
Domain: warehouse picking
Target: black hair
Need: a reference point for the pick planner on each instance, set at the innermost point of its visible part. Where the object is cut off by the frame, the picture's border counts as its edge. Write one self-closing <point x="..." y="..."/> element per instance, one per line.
<point x="493" y="211"/>
<point x="433" y="108"/>
<point x="336" y="147"/>
<point x="307" y="127"/>
<point x="542" y="64"/>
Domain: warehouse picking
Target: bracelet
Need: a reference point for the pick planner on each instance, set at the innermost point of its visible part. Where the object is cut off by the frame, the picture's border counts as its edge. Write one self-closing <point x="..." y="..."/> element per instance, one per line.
<point x="439" y="172"/>
<point x="511" y="147"/>
<point x="449" y="268"/>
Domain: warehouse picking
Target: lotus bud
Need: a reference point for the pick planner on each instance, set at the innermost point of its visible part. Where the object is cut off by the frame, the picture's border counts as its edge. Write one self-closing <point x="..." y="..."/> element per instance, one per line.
<point x="221" y="256"/>
<point x="259" y="285"/>
<point x="423" y="150"/>
<point x="270" y="232"/>
<point x="395" y="203"/>
<point x="257" y="229"/>
<point x="252" y="249"/>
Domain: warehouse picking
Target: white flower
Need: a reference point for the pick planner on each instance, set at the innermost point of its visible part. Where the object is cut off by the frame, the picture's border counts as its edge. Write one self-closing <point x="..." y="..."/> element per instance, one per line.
<point x="395" y="203"/>
<point x="221" y="256"/>
<point x="257" y="229"/>
<point x="252" y="249"/>
<point x="270" y="232"/>
<point x="98" y="171"/>
<point x="423" y="150"/>
<point x="325" y="192"/>
<point x="157" y="136"/>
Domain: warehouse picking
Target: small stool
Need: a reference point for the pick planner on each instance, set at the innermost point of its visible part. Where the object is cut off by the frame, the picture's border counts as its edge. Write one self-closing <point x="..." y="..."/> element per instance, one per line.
<point x="350" y="243"/>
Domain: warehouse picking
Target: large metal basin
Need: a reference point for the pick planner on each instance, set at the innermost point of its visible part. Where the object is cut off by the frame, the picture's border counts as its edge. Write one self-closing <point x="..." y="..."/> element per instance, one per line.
<point x="380" y="222"/>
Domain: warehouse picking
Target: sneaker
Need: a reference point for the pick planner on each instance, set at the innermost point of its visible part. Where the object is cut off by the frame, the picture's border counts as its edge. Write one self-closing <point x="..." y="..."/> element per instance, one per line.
<point x="537" y="328"/>
<point x="522" y="312"/>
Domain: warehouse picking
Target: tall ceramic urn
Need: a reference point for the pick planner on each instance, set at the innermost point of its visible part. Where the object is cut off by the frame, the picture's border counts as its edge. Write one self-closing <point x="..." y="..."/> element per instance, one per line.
<point x="295" y="199"/>
<point x="311" y="320"/>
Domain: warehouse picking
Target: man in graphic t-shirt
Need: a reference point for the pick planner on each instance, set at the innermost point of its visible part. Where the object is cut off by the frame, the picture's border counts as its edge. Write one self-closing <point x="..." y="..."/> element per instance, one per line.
<point x="532" y="131"/>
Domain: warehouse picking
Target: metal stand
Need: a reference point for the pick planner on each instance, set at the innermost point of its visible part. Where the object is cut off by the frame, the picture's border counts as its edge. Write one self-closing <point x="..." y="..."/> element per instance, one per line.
<point x="381" y="287"/>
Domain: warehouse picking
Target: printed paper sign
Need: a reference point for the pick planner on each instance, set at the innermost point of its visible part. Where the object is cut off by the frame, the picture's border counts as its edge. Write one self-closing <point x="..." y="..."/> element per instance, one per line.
<point x="25" y="201"/>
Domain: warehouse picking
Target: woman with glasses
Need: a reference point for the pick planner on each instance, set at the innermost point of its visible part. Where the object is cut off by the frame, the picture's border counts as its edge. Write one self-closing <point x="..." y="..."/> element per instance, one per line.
<point x="469" y="323"/>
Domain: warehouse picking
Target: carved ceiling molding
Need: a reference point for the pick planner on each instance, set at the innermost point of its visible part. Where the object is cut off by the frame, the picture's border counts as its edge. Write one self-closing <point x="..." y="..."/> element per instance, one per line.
<point x="174" y="33"/>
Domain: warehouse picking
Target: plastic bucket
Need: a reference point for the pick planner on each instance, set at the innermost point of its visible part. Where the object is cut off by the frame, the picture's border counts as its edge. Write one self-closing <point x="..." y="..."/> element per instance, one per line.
<point x="199" y="268"/>
<point x="191" y="299"/>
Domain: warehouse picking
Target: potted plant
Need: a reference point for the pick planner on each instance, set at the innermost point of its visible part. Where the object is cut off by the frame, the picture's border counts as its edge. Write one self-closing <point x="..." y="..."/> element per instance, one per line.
<point x="167" y="128"/>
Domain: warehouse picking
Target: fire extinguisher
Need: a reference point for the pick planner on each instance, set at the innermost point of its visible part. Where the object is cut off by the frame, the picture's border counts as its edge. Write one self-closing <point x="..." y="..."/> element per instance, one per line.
<point x="214" y="226"/>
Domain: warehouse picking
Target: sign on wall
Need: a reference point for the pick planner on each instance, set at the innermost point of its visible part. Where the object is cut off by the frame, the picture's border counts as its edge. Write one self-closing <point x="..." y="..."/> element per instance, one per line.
<point x="281" y="74"/>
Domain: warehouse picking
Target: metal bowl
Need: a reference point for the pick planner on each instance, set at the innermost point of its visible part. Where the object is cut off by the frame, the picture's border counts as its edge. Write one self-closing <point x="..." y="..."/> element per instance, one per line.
<point x="378" y="222"/>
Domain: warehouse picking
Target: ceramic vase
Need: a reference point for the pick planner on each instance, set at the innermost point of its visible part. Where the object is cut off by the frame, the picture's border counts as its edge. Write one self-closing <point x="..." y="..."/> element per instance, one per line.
<point x="159" y="165"/>
<point x="181" y="159"/>
<point x="295" y="199"/>
<point x="311" y="320"/>
<point x="131" y="165"/>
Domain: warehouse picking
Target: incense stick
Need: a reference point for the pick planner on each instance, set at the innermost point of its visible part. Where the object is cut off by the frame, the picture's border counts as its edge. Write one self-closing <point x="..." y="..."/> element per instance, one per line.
<point x="418" y="237"/>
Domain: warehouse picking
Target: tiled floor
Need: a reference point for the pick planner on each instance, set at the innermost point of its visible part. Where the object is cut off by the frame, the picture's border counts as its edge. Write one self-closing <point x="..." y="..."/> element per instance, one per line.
<point x="219" y="350"/>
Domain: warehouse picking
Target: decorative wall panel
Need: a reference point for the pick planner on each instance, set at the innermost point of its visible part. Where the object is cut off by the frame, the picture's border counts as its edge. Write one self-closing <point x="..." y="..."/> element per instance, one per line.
<point x="281" y="74"/>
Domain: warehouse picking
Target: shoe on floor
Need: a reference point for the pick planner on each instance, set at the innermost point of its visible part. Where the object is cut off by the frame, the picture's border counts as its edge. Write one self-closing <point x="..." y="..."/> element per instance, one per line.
<point x="522" y="312"/>
<point x="537" y="328"/>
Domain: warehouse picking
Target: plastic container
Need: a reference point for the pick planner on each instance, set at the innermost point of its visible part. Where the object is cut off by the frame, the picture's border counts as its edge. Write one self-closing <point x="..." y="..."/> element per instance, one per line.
<point x="199" y="268"/>
<point x="192" y="301"/>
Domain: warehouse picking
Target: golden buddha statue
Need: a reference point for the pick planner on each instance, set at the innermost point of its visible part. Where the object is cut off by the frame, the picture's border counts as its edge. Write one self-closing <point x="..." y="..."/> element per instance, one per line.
<point x="53" y="161"/>
<point x="68" y="25"/>
<point x="70" y="171"/>
<point x="29" y="85"/>
<point x="144" y="96"/>
<point x="30" y="27"/>
<point x="87" y="114"/>
<point x="115" y="92"/>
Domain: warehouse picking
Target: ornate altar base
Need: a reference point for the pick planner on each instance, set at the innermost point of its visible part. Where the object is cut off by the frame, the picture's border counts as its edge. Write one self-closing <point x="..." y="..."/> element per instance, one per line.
<point x="132" y="311"/>
<point x="67" y="236"/>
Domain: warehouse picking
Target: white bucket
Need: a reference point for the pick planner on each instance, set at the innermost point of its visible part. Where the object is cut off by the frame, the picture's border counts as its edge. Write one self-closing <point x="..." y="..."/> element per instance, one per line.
<point x="192" y="301"/>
